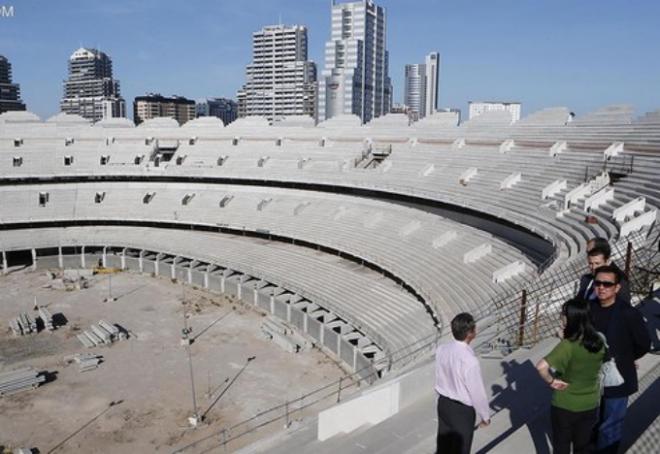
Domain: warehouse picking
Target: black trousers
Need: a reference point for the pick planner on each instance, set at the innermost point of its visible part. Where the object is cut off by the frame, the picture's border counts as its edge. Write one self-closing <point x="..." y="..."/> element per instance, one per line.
<point x="572" y="428"/>
<point x="455" y="427"/>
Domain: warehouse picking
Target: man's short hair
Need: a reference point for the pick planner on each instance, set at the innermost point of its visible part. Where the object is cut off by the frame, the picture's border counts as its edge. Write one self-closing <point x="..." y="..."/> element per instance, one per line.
<point x="609" y="269"/>
<point x="601" y="243"/>
<point x="462" y="325"/>
<point x="598" y="250"/>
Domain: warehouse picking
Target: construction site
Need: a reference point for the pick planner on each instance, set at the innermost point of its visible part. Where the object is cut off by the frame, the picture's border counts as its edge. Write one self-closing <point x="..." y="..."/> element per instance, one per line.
<point x="110" y="363"/>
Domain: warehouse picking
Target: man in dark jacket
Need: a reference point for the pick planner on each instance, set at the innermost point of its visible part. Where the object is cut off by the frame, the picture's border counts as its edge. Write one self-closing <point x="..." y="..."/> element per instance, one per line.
<point x="628" y="340"/>
<point x="596" y="257"/>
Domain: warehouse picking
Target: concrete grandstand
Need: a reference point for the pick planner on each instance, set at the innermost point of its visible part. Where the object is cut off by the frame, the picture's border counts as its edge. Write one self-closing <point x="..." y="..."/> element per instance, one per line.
<point x="448" y="218"/>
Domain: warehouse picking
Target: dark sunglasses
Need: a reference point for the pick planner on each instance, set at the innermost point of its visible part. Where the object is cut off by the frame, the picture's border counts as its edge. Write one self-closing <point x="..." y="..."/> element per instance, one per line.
<point x="606" y="284"/>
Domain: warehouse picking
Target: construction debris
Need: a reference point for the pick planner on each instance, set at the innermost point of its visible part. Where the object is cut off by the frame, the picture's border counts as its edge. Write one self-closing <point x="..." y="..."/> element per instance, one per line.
<point x="19" y="380"/>
<point x="85" y="361"/>
<point x="101" y="334"/>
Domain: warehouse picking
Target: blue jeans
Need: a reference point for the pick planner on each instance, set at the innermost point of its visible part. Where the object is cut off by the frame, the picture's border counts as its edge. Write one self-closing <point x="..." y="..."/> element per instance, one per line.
<point x="610" y="429"/>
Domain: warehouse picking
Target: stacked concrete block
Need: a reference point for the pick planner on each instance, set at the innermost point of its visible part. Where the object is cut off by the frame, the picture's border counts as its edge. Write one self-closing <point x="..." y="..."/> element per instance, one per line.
<point x="19" y="380"/>
<point x="47" y="318"/>
<point x="85" y="361"/>
<point x="103" y="333"/>
<point x="23" y="324"/>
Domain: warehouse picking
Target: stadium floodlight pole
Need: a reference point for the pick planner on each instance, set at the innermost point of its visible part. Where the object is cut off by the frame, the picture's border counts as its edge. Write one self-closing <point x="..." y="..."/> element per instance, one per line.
<point x="185" y="339"/>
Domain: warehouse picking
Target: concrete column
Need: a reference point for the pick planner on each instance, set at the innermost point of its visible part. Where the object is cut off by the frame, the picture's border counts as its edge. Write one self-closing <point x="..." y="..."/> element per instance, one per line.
<point x="322" y="334"/>
<point x="339" y="345"/>
<point x="206" y="277"/>
<point x="82" y="257"/>
<point x="190" y="267"/>
<point x="60" y="259"/>
<point x="355" y="354"/>
<point x="5" y="265"/>
<point x="288" y="311"/>
<point x="305" y="322"/>
<point x="141" y="261"/>
<point x="34" y="259"/>
<point x="157" y="264"/>
<point x="123" y="259"/>
<point x="173" y="268"/>
<point x="104" y="257"/>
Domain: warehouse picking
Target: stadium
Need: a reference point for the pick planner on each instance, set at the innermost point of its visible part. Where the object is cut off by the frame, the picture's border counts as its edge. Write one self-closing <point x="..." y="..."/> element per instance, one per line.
<point x="362" y="240"/>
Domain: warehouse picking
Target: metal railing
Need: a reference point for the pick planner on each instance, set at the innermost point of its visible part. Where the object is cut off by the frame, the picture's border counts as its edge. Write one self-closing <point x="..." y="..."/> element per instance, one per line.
<point x="330" y="393"/>
<point x="524" y="317"/>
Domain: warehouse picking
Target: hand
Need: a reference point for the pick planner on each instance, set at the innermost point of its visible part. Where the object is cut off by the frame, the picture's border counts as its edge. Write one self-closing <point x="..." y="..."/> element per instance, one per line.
<point x="483" y="424"/>
<point x="558" y="385"/>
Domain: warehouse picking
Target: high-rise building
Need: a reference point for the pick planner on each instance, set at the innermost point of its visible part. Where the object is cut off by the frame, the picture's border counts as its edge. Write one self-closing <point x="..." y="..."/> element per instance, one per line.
<point x="90" y="91"/>
<point x="10" y="93"/>
<point x="421" y="86"/>
<point x="223" y="108"/>
<point x="154" y="105"/>
<point x="280" y="80"/>
<point x="356" y="79"/>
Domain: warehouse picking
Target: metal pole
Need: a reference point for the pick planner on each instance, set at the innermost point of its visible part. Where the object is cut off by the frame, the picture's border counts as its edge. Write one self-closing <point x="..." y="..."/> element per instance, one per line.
<point x="192" y="381"/>
<point x="628" y="260"/>
<point x="523" y="315"/>
<point x="339" y="390"/>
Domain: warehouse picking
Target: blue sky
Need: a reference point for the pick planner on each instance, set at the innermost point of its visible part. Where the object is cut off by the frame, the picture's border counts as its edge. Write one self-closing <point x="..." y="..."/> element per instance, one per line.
<point x="580" y="54"/>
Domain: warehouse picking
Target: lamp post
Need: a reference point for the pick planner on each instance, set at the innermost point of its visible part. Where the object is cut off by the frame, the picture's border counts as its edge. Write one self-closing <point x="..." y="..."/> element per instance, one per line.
<point x="194" y="420"/>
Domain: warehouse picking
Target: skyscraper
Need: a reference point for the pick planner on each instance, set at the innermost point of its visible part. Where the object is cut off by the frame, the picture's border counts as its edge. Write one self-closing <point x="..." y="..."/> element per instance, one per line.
<point x="280" y="80"/>
<point x="90" y="90"/>
<point x="356" y="79"/>
<point x="10" y="93"/>
<point x="421" y="86"/>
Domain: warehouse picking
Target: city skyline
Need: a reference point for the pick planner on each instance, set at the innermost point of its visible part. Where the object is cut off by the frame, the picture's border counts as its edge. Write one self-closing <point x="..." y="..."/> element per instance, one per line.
<point x="541" y="55"/>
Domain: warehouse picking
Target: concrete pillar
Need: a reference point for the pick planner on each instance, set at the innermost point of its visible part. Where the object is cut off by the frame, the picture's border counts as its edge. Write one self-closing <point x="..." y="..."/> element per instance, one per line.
<point x="206" y="277"/>
<point x="288" y="311"/>
<point x="157" y="264"/>
<point x="5" y="266"/>
<point x="173" y="268"/>
<point x="60" y="259"/>
<point x="82" y="257"/>
<point x="339" y="345"/>
<point x="355" y="354"/>
<point x="123" y="259"/>
<point x="190" y="267"/>
<point x="141" y="261"/>
<point x="104" y="257"/>
<point x="34" y="259"/>
<point x="322" y="334"/>
<point x="305" y="322"/>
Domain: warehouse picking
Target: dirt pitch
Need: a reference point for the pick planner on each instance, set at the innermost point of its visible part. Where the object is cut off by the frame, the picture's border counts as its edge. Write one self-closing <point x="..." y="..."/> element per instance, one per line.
<point x="147" y="374"/>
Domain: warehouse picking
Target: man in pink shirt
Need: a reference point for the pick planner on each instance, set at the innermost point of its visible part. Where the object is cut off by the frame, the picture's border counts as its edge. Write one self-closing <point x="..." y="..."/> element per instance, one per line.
<point x="460" y="388"/>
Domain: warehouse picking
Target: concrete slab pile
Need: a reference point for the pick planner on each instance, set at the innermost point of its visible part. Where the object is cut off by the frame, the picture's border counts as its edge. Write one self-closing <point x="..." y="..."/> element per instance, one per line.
<point x="23" y="324"/>
<point x="19" y="380"/>
<point x="103" y="333"/>
<point x="85" y="361"/>
<point x="47" y="318"/>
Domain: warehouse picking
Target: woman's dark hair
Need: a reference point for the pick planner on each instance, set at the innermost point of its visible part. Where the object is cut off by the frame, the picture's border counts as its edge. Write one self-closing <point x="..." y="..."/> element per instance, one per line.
<point x="578" y="325"/>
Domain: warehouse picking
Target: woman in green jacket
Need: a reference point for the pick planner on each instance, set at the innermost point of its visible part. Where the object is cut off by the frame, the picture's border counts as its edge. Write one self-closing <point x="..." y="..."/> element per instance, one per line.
<point x="576" y="362"/>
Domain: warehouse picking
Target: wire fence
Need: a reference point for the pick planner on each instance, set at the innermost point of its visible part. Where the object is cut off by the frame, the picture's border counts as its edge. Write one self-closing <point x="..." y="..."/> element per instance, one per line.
<point x="531" y="314"/>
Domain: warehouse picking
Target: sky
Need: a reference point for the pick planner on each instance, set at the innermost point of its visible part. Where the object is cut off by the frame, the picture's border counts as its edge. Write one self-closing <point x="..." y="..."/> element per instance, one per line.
<point x="543" y="53"/>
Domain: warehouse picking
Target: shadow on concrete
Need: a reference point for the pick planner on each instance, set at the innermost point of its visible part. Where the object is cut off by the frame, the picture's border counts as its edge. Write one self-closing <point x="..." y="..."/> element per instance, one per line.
<point x="217" y="320"/>
<point x="215" y="401"/>
<point x="527" y="399"/>
<point x="59" y="320"/>
<point x="641" y="414"/>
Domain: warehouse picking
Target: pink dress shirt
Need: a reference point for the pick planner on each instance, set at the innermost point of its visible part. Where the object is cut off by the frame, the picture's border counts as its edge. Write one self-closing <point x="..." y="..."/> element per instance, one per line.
<point x="458" y="377"/>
